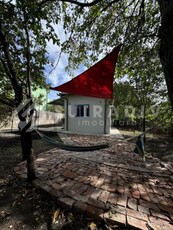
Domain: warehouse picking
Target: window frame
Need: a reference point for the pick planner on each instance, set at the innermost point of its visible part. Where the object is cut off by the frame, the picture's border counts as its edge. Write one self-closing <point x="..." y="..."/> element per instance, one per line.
<point x="83" y="110"/>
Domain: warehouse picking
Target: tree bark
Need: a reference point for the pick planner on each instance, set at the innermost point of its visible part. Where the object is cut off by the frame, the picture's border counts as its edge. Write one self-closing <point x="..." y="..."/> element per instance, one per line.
<point x="26" y="138"/>
<point x="166" y="44"/>
<point x="27" y="150"/>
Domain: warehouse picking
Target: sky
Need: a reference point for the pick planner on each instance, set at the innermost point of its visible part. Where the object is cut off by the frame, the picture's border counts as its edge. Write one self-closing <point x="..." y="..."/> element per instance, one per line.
<point x="56" y="74"/>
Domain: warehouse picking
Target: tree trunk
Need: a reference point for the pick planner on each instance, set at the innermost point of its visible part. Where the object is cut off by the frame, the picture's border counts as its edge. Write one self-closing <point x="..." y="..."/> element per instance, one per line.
<point x="27" y="151"/>
<point x="26" y="138"/>
<point x="144" y="123"/>
<point x="166" y="43"/>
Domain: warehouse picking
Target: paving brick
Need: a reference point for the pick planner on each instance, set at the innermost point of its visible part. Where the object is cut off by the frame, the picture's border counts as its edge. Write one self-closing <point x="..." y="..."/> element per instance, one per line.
<point x="37" y="183"/>
<point x="155" y="226"/>
<point x="80" y="207"/>
<point x="65" y="202"/>
<point x="99" y="182"/>
<point x="115" y="218"/>
<point x="141" y="188"/>
<point x="93" y="180"/>
<point x="162" y="200"/>
<point x="137" y="214"/>
<point x="121" y="182"/>
<point x="97" y="203"/>
<point x="76" y="186"/>
<point x="68" y="192"/>
<point x="42" y="169"/>
<point x="56" y="193"/>
<point x="80" y="178"/>
<point x="171" y="216"/>
<point x="153" y="197"/>
<point x="81" y="198"/>
<point x="112" y="188"/>
<point x="132" y="203"/>
<point x="135" y="194"/>
<point x="159" y="214"/>
<point x="89" y="191"/>
<point x="71" y="183"/>
<point x="149" y="205"/>
<point x="105" y="186"/>
<point x="113" y="197"/>
<point x="169" y="201"/>
<point x="121" y="189"/>
<point x="145" y="196"/>
<point x="107" y="178"/>
<point x="104" y="196"/>
<point x="82" y="189"/>
<point x="94" y="212"/>
<point x="114" y="181"/>
<point x="127" y="192"/>
<point x="156" y="190"/>
<point x="166" y="208"/>
<point x="122" y="200"/>
<point x="97" y="192"/>
<point x="143" y="209"/>
<point x="58" y="179"/>
<point x="86" y="180"/>
<point x="134" y="222"/>
<point x="119" y="209"/>
<point x="159" y="221"/>
<point x="166" y="193"/>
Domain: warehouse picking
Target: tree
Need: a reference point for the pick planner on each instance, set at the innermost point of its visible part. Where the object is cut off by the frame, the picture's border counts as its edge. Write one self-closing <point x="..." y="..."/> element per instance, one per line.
<point x="166" y="43"/>
<point x="137" y="99"/>
<point x="23" y="38"/>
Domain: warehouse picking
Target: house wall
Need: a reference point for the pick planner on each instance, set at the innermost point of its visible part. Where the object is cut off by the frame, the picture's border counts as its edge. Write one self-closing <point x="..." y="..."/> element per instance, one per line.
<point x="95" y="123"/>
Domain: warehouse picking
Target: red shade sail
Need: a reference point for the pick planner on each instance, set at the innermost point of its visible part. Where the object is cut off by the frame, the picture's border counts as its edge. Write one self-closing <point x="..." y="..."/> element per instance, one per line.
<point x="97" y="81"/>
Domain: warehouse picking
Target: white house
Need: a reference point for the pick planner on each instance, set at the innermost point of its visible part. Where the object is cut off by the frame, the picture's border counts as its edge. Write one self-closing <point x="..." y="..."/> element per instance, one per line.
<point x="87" y="115"/>
<point x="87" y="98"/>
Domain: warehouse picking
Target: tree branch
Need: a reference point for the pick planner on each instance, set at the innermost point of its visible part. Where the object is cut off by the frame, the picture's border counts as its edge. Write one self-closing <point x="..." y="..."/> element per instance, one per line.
<point x="28" y="55"/>
<point x="82" y="4"/>
<point x="9" y="66"/>
<point x="141" y="15"/>
<point x="9" y="103"/>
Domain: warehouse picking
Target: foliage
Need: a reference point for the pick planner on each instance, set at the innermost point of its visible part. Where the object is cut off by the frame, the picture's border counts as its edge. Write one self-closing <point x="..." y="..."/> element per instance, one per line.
<point x="134" y="100"/>
<point x="101" y="27"/>
<point x="19" y="22"/>
<point x="164" y="118"/>
<point x="5" y="115"/>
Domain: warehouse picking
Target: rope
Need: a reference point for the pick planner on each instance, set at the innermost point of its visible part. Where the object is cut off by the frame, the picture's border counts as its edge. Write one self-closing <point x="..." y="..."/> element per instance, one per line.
<point x="71" y="147"/>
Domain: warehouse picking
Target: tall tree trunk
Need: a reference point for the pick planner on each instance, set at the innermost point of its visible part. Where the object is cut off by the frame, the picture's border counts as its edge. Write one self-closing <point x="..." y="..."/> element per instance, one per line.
<point x="166" y="43"/>
<point x="26" y="138"/>
<point x="27" y="151"/>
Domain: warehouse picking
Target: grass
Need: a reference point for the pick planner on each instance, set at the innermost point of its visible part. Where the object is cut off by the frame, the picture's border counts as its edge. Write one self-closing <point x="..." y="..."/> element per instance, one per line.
<point x="131" y="133"/>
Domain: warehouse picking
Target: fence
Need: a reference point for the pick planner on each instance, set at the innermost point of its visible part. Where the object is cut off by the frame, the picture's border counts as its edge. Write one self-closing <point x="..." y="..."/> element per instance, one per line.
<point x="41" y="118"/>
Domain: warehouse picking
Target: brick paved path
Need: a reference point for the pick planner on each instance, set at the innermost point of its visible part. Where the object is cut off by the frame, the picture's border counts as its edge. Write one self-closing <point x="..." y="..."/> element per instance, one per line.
<point x="112" y="183"/>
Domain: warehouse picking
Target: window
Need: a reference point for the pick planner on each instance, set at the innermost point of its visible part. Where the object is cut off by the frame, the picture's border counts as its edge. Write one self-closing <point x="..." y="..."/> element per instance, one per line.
<point x="82" y="110"/>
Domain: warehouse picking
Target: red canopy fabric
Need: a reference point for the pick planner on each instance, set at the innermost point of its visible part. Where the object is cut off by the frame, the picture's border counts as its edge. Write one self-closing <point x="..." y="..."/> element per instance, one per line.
<point x="97" y="81"/>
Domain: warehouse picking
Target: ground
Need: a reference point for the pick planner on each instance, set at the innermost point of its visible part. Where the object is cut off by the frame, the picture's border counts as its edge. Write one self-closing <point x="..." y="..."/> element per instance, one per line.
<point x="25" y="207"/>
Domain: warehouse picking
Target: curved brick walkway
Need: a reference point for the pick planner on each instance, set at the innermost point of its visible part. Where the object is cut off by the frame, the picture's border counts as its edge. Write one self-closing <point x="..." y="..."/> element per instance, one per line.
<point x="113" y="184"/>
